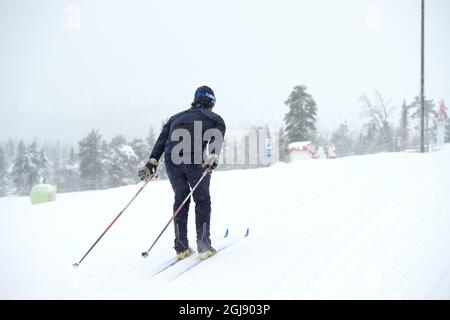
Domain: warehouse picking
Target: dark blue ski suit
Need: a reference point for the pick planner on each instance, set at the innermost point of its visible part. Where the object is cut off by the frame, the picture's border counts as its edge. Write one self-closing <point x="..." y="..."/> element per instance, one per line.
<point x="182" y="175"/>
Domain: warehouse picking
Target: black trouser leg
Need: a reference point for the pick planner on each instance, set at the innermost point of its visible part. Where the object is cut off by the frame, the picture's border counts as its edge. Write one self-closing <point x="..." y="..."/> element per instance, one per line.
<point x="180" y="186"/>
<point x="202" y="205"/>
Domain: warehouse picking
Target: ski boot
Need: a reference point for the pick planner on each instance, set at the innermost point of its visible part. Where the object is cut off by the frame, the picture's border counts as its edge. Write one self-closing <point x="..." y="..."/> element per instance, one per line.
<point x="183" y="254"/>
<point x="207" y="253"/>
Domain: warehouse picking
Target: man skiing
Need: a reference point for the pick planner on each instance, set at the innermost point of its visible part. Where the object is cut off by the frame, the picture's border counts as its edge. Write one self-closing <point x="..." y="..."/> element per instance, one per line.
<point x="186" y="161"/>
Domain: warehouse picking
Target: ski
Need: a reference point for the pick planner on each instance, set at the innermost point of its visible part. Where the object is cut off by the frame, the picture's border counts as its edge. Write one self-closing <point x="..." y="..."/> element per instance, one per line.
<point x="173" y="261"/>
<point x="199" y="260"/>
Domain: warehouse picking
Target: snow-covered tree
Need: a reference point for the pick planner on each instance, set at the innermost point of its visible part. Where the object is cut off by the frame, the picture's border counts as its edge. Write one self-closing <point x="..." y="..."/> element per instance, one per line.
<point x="33" y="154"/>
<point x="4" y="176"/>
<point x="92" y="169"/>
<point x="300" y="120"/>
<point x="122" y="160"/>
<point x="43" y="167"/>
<point x="10" y="151"/>
<point x="141" y="150"/>
<point x="69" y="173"/>
<point x="416" y="117"/>
<point x="367" y="141"/>
<point x="21" y="170"/>
<point x="443" y="112"/>
<point x="403" y="132"/>
<point x="342" y="140"/>
<point x="56" y="165"/>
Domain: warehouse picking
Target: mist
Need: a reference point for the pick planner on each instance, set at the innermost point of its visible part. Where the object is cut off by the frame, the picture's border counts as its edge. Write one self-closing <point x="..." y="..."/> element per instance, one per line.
<point x="122" y="66"/>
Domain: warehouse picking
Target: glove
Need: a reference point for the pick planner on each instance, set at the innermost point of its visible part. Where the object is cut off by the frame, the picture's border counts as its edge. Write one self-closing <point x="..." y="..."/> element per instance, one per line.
<point x="211" y="162"/>
<point x="149" y="170"/>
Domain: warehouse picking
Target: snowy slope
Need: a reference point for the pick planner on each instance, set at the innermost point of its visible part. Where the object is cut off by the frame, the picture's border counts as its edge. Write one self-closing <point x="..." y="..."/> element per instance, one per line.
<point x="375" y="226"/>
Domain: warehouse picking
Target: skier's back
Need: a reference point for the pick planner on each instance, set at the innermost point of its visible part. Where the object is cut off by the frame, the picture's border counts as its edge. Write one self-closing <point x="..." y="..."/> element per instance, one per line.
<point x="184" y="140"/>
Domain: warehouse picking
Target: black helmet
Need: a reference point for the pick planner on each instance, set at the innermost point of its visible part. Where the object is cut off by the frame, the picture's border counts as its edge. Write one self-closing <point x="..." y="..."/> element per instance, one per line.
<point x="204" y="96"/>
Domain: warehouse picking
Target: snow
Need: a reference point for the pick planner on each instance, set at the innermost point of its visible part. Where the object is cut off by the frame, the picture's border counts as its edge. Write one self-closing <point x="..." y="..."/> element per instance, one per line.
<point x="45" y="187"/>
<point x="128" y="151"/>
<point x="362" y="227"/>
<point x="300" y="145"/>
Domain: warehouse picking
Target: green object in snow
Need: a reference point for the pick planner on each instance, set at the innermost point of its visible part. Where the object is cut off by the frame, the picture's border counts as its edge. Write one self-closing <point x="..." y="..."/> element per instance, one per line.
<point x="43" y="193"/>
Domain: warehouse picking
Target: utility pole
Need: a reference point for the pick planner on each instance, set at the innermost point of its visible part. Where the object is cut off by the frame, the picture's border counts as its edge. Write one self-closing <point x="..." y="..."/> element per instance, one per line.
<point x="422" y="81"/>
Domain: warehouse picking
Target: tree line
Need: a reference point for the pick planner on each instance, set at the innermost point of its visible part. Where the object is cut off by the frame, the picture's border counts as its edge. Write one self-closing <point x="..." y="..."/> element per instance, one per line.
<point x="378" y="133"/>
<point x="98" y="164"/>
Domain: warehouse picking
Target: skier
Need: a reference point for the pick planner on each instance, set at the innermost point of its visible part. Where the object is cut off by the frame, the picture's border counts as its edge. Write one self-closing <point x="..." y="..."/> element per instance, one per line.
<point x="186" y="165"/>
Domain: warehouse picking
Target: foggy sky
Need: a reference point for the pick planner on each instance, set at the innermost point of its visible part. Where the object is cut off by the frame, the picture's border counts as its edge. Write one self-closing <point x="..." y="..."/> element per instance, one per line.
<point x="130" y="64"/>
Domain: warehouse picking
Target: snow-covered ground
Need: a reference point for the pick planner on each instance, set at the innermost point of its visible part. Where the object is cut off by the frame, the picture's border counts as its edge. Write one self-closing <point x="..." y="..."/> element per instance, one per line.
<point x="375" y="226"/>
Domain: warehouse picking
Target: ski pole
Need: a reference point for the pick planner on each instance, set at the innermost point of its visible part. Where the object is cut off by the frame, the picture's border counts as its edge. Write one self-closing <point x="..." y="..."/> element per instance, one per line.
<point x="205" y="173"/>
<point x="77" y="264"/>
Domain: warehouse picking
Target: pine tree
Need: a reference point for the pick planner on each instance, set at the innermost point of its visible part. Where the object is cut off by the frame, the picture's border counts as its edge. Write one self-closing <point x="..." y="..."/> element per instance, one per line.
<point x="130" y="164"/>
<point x="10" y="150"/>
<point x="72" y="157"/>
<point x="416" y="116"/>
<point x="44" y="164"/>
<point x="56" y="167"/>
<point x="69" y="173"/>
<point x="21" y="170"/>
<point x="446" y="122"/>
<point x="33" y="173"/>
<point x="4" y="177"/>
<point x="342" y="140"/>
<point x="92" y="166"/>
<point x="122" y="159"/>
<point x="301" y="119"/>
<point x="114" y="168"/>
<point x="141" y="150"/>
<point x="368" y="139"/>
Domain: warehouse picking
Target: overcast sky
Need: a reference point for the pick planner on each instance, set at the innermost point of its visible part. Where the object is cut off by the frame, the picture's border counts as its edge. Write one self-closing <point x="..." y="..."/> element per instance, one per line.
<point x="119" y="66"/>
